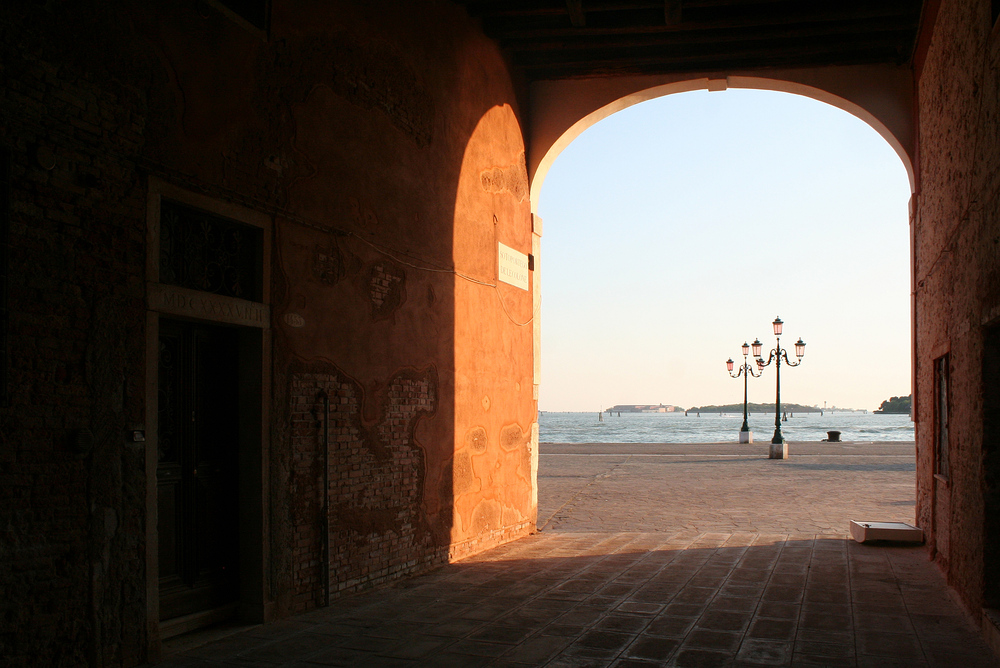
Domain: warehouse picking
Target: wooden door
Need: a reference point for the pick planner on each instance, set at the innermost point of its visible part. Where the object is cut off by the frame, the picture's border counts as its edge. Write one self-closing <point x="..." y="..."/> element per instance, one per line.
<point x="197" y="472"/>
<point x="991" y="467"/>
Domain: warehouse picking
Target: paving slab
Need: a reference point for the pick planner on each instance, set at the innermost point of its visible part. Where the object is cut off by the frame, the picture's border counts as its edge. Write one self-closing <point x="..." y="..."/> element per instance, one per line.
<point x="657" y="556"/>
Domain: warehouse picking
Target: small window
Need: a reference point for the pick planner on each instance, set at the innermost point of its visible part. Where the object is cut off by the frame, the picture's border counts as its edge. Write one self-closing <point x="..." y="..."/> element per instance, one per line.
<point x="203" y="251"/>
<point x="941" y="416"/>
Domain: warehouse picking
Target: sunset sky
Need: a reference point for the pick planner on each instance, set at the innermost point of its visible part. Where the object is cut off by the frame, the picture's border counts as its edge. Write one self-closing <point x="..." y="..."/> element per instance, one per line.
<point x="679" y="228"/>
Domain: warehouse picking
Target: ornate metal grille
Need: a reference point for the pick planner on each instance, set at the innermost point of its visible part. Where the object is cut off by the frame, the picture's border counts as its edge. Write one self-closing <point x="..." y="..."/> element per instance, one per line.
<point x="203" y="251"/>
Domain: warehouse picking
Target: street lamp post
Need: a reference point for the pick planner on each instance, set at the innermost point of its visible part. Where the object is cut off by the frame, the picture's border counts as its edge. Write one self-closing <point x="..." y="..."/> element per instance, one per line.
<point x="779" y="448"/>
<point x="746" y="436"/>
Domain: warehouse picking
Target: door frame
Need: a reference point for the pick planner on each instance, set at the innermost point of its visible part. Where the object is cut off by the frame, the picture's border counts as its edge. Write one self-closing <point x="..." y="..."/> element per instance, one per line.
<point x="990" y="428"/>
<point x="253" y="319"/>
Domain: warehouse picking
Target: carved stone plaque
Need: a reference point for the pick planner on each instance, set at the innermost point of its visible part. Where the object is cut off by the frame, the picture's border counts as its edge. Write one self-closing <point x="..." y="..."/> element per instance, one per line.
<point x="206" y="306"/>
<point x="513" y="267"/>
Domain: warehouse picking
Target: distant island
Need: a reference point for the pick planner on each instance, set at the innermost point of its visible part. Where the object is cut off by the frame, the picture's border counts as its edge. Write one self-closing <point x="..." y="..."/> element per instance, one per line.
<point x="644" y="408"/>
<point x="890" y="406"/>
<point x="896" y="405"/>
<point x="755" y="408"/>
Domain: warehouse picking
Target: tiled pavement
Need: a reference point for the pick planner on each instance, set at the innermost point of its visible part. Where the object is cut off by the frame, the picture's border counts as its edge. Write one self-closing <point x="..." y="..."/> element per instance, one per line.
<point x="722" y="487"/>
<point x="656" y="594"/>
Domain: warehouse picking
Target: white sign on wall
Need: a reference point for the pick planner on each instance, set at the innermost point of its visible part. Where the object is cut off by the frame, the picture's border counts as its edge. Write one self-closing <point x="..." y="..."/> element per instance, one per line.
<point x="513" y="267"/>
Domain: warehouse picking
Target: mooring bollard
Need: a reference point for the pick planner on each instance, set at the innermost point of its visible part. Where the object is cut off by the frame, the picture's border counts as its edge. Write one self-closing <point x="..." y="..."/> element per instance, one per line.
<point x="833" y="436"/>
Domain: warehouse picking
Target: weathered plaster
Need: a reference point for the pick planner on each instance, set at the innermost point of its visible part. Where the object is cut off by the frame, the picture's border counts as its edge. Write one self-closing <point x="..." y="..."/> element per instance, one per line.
<point x="383" y="143"/>
<point x="957" y="280"/>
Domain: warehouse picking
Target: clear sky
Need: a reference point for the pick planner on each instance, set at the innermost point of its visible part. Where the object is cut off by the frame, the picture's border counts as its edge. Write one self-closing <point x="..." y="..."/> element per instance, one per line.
<point x="678" y="228"/>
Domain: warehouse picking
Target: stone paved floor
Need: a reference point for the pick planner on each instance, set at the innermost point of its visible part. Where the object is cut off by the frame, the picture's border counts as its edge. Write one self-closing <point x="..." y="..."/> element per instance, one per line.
<point x="661" y="487"/>
<point x="656" y="557"/>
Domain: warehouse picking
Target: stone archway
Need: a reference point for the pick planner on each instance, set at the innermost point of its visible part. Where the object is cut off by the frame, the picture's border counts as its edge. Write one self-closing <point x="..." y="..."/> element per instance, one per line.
<point x="881" y="96"/>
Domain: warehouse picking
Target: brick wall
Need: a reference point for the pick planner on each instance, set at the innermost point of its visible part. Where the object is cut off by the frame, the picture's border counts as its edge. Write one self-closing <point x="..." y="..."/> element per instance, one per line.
<point x="71" y="488"/>
<point x="376" y="475"/>
<point x="957" y="276"/>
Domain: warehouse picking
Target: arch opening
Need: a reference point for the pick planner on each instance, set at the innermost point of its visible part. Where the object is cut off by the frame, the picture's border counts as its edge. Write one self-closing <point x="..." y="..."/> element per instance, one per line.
<point x="745" y="304"/>
<point x="795" y="201"/>
<point x="730" y="250"/>
<point x="879" y="120"/>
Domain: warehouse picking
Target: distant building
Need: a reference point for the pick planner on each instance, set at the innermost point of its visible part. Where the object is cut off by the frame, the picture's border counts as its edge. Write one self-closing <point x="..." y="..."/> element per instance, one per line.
<point x="640" y="408"/>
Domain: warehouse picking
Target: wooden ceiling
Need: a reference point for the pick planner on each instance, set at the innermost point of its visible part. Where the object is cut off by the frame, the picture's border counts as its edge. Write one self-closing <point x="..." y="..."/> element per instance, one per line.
<point x="559" y="39"/>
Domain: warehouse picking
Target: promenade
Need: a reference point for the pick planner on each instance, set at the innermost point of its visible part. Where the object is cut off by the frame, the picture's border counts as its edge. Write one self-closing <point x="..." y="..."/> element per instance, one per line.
<point x="724" y="487"/>
<point x="651" y="555"/>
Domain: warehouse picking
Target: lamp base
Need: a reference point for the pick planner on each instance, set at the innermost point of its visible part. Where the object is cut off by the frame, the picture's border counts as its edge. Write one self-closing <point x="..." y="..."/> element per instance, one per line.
<point x="746" y="437"/>
<point x="778" y="451"/>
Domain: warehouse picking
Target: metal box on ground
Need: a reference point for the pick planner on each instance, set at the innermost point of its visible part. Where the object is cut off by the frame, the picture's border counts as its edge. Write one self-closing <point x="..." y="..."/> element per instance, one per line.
<point x="898" y="532"/>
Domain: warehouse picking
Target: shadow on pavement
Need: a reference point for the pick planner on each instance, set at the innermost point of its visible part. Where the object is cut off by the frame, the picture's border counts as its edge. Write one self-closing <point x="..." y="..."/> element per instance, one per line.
<point x="636" y="599"/>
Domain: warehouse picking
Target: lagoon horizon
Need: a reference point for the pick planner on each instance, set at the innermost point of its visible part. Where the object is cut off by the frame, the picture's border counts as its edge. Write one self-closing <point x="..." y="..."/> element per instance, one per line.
<point x="586" y="427"/>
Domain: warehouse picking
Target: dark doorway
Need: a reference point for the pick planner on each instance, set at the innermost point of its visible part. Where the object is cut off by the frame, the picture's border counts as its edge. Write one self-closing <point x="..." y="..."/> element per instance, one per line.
<point x="991" y="466"/>
<point x="198" y="467"/>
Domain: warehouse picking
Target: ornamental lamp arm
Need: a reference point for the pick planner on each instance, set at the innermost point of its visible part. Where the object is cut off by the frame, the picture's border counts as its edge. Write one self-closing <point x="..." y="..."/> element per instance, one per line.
<point x="784" y="353"/>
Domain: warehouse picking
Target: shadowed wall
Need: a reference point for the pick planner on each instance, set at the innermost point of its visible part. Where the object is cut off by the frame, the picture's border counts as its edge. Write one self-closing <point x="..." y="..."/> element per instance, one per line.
<point x="382" y="144"/>
<point x="956" y="269"/>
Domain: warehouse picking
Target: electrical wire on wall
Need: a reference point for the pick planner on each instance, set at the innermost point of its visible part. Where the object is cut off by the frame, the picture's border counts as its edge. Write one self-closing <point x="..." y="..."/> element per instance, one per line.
<point x="455" y="272"/>
<point x="394" y="256"/>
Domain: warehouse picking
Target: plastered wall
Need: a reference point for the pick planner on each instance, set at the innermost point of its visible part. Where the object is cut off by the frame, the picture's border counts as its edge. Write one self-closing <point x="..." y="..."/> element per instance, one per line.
<point x="384" y="140"/>
<point x="957" y="281"/>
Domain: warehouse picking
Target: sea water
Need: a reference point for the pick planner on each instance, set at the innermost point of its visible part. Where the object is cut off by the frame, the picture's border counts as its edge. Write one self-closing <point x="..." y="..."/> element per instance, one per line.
<point x="714" y="428"/>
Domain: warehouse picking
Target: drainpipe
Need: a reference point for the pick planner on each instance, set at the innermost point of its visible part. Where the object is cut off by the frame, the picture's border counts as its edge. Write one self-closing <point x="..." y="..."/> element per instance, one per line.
<point x="325" y="503"/>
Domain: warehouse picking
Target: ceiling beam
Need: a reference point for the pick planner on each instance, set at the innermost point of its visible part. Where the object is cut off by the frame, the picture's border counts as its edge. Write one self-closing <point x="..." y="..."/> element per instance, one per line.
<point x="506" y="8"/>
<point x="521" y="30"/>
<point x="743" y="56"/>
<point x="903" y="27"/>
<point x="617" y="68"/>
<point x="552" y="39"/>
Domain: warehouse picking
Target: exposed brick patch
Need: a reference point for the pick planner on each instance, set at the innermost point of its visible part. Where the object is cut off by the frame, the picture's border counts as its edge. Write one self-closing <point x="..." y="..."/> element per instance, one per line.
<point x="387" y="288"/>
<point x="489" y="539"/>
<point x="376" y="475"/>
<point x="328" y="264"/>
